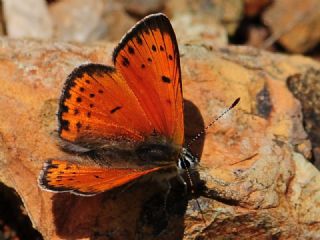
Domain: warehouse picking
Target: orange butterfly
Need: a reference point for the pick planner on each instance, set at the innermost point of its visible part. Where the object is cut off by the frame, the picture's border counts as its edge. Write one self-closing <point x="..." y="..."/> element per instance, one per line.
<point x="130" y="116"/>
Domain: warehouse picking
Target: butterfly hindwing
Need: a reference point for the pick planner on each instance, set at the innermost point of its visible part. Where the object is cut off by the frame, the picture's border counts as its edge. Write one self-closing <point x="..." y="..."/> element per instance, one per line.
<point x="64" y="176"/>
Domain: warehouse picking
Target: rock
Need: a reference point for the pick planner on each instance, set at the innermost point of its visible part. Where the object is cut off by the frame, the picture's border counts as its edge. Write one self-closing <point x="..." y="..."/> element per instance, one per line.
<point x="295" y="24"/>
<point x="78" y="20"/>
<point x="256" y="35"/>
<point x="142" y="8"/>
<point x="227" y="12"/>
<point x="27" y="19"/>
<point x="306" y="88"/>
<point x="253" y="8"/>
<point x="259" y="184"/>
<point x="2" y="21"/>
<point x="230" y="12"/>
<point x="199" y="29"/>
<point x="113" y="11"/>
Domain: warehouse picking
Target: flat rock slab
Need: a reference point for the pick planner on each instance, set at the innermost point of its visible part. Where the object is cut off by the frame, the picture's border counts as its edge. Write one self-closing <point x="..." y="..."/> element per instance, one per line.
<point x="258" y="182"/>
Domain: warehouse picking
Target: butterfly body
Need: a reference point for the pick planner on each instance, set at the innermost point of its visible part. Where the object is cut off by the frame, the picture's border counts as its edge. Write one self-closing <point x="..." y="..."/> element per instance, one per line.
<point x="127" y="117"/>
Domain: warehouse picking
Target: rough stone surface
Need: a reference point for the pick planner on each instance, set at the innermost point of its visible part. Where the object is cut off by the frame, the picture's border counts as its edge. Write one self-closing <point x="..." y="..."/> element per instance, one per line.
<point x="199" y="29"/>
<point x="306" y="88"/>
<point x="226" y="12"/>
<point x="259" y="184"/>
<point x="295" y="24"/>
<point x="27" y="19"/>
<point x="78" y="20"/>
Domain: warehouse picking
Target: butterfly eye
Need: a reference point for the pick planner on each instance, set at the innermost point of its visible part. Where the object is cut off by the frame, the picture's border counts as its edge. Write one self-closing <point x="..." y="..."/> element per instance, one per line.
<point x="186" y="160"/>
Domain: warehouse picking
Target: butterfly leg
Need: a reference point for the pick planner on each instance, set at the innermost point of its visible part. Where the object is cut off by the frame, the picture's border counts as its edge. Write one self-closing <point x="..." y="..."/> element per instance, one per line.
<point x="184" y="183"/>
<point x="168" y="190"/>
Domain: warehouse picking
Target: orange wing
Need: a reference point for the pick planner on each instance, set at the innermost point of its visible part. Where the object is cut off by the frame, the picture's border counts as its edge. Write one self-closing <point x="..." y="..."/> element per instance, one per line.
<point x="97" y="107"/>
<point x="63" y="176"/>
<point x="148" y="59"/>
<point x="141" y="96"/>
<point x="127" y="104"/>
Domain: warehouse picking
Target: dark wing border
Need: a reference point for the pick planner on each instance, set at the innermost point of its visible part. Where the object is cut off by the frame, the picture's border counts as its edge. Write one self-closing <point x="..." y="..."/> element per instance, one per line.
<point x="152" y="21"/>
<point x="90" y="69"/>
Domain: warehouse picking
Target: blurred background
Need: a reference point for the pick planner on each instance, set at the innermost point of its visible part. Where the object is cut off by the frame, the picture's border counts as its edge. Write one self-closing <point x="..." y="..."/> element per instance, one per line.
<point x="290" y="26"/>
<point x="286" y="26"/>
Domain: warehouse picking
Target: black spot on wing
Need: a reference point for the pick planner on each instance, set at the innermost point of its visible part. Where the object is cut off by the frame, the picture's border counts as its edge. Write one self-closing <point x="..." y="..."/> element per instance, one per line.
<point x="115" y="109"/>
<point x="78" y="125"/>
<point x="64" y="108"/>
<point x="154" y="21"/>
<point x="154" y="48"/>
<point x="72" y="80"/>
<point x="131" y="50"/>
<point x="125" y="61"/>
<point x="64" y="125"/>
<point x="139" y="40"/>
<point x="166" y="79"/>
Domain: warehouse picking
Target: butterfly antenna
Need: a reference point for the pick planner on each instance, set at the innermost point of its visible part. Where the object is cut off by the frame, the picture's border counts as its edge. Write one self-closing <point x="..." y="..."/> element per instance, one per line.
<point x="211" y="123"/>
<point x="196" y="138"/>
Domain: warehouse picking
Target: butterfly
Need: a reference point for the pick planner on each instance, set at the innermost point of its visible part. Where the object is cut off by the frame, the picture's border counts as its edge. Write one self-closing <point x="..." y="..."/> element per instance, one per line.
<point x="129" y="116"/>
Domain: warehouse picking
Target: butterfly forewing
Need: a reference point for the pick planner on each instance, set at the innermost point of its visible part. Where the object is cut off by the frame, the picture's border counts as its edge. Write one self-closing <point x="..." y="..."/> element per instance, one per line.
<point x="148" y="58"/>
<point x="98" y="106"/>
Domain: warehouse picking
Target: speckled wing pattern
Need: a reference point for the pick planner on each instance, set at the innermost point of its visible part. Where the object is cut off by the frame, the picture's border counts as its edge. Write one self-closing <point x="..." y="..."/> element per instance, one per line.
<point x="148" y="59"/>
<point x="63" y="176"/>
<point x="100" y="105"/>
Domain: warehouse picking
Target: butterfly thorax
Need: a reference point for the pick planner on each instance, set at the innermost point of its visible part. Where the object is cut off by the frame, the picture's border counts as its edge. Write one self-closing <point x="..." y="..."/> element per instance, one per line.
<point x="154" y="151"/>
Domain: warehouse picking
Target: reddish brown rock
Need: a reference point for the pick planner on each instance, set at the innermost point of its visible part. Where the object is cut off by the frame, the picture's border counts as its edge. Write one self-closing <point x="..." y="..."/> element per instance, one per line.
<point x="259" y="184"/>
<point x="295" y="24"/>
<point x="253" y="8"/>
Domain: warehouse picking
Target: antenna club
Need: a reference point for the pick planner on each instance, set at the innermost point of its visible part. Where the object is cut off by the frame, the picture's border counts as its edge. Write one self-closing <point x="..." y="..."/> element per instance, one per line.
<point x="235" y="103"/>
